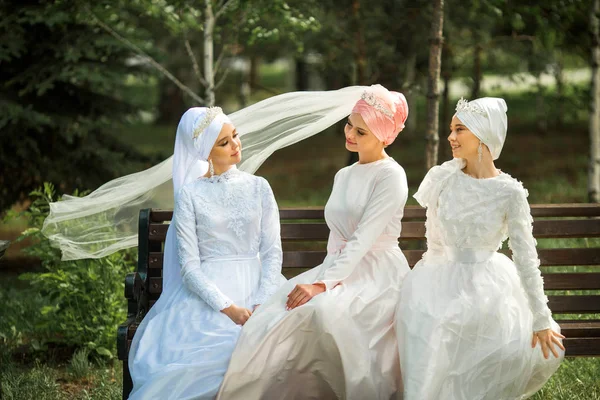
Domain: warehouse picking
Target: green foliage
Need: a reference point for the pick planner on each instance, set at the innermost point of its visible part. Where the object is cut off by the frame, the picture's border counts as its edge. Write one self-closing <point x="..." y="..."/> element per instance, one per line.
<point x="62" y="86"/>
<point x="80" y="365"/>
<point x="81" y="301"/>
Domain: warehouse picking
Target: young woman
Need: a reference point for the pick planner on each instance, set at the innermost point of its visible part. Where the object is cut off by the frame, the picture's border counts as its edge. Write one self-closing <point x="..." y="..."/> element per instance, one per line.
<point x="471" y="323"/>
<point x="228" y="257"/>
<point x="329" y="332"/>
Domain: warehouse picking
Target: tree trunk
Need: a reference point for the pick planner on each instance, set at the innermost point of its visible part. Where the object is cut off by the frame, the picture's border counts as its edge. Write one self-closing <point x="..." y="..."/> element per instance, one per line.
<point x="171" y="103"/>
<point x="446" y="152"/>
<point x="594" y="167"/>
<point x="477" y="74"/>
<point x="301" y="73"/>
<point x="433" y="94"/>
<point x="446" y="72"/>
<point x="361" y="52"/>
<point x="209" y="75"/>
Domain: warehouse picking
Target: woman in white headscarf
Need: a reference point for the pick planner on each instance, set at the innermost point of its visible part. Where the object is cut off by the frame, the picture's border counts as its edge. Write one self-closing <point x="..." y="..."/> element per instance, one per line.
<point x="471" y="323"/>
<point x="226" y="232"/>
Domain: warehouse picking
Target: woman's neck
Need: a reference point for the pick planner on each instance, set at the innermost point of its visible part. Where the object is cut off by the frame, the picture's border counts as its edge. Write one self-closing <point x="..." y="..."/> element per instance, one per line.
<point x="481" y="170"/>
<point x="219" y="170"/>
<point x="372" y="157"/>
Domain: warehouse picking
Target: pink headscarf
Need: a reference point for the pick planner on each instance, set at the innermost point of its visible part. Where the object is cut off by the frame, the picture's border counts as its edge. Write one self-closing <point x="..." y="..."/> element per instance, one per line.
<point x="383" y="111"/>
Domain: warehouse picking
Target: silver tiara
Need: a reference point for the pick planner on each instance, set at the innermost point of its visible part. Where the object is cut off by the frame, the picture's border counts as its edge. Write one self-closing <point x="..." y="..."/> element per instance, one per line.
<point x="211" y="113"/>
<point x="465" y="106"/>
<point x="373" y="101"/>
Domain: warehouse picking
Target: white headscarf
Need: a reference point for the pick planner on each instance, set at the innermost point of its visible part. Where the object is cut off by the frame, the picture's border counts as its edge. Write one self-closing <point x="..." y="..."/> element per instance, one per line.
<point x="197" y="132"/>
<point x="486" y="118"/>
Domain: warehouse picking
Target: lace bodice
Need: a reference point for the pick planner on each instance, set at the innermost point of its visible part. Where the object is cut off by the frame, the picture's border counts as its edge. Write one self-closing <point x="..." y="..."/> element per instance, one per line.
<point x="469" y="213"/>
<point x="230" y="215"/>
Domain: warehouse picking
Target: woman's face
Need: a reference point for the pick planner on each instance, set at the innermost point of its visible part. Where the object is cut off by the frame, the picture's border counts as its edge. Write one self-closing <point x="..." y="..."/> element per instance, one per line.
<point x="463" y="142"/>
<point x="359" y="138"/>
<point x="227" y="150"/>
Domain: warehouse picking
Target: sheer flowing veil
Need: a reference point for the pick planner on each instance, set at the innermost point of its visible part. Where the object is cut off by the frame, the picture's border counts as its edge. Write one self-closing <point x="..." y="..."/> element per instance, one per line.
<point x="106" y="220"/>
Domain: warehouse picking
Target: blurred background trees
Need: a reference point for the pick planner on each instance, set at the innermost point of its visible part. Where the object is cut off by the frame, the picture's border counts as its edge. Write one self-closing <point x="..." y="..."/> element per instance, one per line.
<point x="79" y="76"/>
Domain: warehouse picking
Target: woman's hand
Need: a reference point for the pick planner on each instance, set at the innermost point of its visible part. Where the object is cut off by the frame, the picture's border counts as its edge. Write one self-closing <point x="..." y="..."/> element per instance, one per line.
<point x="547" y="338"/>
<point x="239" y="315"/>
<point x="302" y="294"/>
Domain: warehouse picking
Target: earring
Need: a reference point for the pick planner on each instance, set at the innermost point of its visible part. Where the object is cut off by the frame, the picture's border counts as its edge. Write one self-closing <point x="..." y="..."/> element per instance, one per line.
<point x="480" y="151"/>
<point x="211" y="168"/>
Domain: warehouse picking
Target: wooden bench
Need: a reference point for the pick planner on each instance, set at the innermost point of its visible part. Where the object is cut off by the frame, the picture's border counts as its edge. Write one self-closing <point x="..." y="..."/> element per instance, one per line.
<point x="565" y="268"/>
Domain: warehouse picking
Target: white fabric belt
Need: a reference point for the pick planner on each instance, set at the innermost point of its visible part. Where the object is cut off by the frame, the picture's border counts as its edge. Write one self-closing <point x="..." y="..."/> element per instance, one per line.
<point x="463" y="255"/>
<point x="387" y="244"/>
<point x="233" y="257"/>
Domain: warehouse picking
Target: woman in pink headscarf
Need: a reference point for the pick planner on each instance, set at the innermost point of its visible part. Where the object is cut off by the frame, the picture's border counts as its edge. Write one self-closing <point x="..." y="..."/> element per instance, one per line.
<point x="329" y="332"/>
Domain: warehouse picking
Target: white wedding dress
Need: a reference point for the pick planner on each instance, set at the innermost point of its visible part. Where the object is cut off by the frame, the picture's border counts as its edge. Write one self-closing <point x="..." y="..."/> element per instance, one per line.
<point x="229" y="249"/>
<point x="342" y="343"/>
<point x="467" y="313"/>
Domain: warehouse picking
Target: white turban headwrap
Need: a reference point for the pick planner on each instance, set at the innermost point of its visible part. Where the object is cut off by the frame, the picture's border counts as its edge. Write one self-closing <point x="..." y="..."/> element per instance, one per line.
<point x="486" y="118"/>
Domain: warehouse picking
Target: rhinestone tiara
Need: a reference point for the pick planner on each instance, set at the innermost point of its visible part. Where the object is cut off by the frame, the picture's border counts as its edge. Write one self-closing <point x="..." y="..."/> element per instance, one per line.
<point x="373" y="101"/>
<point x="464" y="105"/>
<point x="211" y="113"/>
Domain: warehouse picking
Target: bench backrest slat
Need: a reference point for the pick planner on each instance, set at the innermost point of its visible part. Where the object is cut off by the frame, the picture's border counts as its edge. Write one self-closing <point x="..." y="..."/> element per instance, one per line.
<point x="304" y="235"/>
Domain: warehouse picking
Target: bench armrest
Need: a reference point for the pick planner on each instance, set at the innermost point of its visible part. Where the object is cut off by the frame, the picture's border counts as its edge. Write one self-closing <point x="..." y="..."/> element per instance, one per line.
<point x="136" y="293"/>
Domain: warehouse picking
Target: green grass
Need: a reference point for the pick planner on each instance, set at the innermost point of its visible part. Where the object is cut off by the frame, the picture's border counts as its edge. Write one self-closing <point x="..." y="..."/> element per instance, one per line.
<point x="48" y="380"/>
<point x="576" y="379"/>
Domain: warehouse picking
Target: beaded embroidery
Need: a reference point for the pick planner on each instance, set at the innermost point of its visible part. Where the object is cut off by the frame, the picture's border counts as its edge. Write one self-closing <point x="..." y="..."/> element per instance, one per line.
<point x="211" y="113"/>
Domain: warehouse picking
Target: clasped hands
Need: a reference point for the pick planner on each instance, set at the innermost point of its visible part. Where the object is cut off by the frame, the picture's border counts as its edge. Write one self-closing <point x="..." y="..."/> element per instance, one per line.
<point x="239" y="315"/>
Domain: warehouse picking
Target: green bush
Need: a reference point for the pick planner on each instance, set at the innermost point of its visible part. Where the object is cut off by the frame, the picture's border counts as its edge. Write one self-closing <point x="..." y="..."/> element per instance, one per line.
<point x="79" y="303"/>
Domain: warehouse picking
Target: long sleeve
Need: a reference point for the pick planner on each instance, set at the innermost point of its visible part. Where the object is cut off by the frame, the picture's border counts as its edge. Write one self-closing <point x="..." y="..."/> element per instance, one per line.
<point x="522" y="244"/>
<point x="189" y="255"/>
<point x="428" y="195"/>
<point x="270" y="245"/>
<point x="389" y="195"/>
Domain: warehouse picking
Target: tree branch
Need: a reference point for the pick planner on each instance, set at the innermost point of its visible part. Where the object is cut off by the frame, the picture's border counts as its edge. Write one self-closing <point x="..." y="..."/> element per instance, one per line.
<point x="147" y="58"/>
<point x="223" y="7"/>
<point x="218" y="84"/>
<point x="218" y="63"/>
<point x="194" y="61"/>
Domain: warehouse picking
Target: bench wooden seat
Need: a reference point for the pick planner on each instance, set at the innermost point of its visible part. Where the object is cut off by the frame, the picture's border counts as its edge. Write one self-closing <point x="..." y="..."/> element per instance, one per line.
<point x="573" y="292"/>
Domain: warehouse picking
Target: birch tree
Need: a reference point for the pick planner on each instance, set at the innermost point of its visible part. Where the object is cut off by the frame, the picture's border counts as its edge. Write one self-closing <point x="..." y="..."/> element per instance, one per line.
<point x="433" y="93"/>
<point x="594" y="166"/>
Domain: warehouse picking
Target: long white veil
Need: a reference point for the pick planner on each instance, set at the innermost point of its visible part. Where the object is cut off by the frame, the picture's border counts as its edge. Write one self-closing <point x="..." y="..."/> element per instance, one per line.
<point x="106" y="220"/>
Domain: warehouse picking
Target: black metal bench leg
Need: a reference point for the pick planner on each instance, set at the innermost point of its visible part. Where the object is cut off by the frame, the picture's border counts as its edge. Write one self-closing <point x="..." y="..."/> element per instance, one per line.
<point x="127" y="382"/>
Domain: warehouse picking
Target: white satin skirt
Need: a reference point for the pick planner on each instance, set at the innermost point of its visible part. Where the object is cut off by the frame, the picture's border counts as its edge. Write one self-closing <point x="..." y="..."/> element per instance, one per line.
<point x="340" y="345"/>
<point x="465" y="329"/>
<point x="182" y="352"/>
